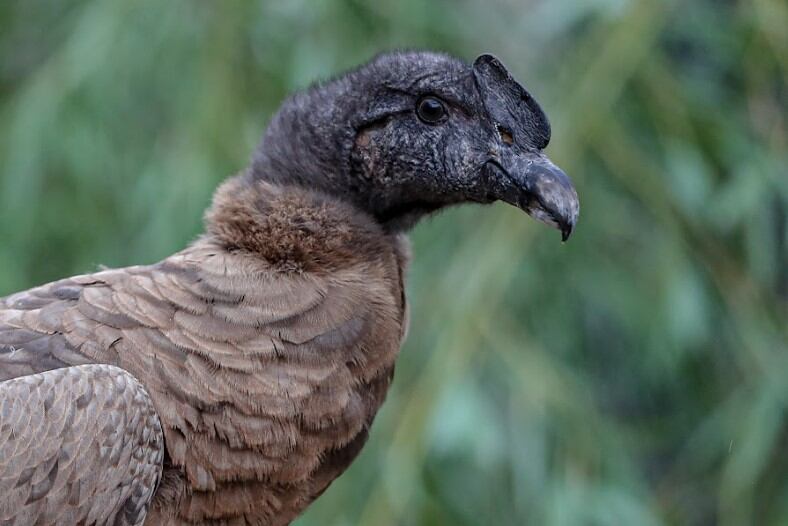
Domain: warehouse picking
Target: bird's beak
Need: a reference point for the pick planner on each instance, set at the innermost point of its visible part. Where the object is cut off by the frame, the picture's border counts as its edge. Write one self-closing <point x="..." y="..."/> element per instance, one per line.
<point x="521" y="174"/>
<point x="534" y="184"/>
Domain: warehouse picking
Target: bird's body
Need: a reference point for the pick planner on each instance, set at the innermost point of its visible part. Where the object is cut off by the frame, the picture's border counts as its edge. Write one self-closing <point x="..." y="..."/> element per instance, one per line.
<point x="266" y="348"/>
<point x="233" y="381"/>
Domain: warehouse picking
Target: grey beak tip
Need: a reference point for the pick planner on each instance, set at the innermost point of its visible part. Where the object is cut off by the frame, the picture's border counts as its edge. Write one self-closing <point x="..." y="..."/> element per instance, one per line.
<point x="568" y="223"/>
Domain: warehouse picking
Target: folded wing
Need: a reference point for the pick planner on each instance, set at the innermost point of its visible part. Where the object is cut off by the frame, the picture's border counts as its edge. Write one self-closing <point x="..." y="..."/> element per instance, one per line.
<point x="78" y="445"/>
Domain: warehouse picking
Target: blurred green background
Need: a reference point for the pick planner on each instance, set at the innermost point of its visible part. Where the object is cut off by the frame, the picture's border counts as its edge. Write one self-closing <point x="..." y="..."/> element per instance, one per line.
<point x="635" y="375"/>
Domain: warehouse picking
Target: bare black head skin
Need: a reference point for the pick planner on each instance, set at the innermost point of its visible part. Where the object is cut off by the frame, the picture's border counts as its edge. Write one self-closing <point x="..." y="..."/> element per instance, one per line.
<point x="412" y="132"/>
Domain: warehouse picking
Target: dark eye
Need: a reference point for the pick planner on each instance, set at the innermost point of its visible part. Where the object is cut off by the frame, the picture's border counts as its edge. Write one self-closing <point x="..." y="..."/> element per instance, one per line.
<point x="431" y="110"/>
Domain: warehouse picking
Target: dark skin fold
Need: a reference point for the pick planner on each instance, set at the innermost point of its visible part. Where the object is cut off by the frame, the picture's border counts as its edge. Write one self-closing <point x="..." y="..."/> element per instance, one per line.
<point x="411" y="133"/>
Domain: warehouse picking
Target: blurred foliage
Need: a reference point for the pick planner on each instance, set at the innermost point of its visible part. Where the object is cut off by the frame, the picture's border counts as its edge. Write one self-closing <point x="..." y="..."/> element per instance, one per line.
<point x="636" y="375"/>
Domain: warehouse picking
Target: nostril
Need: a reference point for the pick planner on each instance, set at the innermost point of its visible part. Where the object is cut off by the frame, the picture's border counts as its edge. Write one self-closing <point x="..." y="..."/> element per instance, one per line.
<point x="506" y="135"/>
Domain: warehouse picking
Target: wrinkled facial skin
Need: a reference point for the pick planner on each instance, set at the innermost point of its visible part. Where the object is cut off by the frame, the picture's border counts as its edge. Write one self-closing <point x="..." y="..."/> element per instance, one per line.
<point x="420" y="166"/>
<point x="486" y="147"/>
<point x="363" y="137"/>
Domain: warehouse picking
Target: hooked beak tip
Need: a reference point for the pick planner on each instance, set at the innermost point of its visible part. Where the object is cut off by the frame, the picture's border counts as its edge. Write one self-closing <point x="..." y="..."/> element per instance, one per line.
<point x="567" y="220"/>
<point x="566" y="231"/>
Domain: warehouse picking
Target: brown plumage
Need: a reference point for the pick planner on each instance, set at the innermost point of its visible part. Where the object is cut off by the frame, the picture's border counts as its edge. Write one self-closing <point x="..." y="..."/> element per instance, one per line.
<point x="233" y="381"/>
<point x="265" y="362"/>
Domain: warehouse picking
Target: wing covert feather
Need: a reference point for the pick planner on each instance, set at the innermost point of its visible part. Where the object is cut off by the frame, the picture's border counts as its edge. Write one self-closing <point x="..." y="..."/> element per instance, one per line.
<point x="79" y="444"/>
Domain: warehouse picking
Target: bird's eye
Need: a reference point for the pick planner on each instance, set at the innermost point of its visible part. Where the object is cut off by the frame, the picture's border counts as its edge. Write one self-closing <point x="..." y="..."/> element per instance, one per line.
<point x="430" y="110"/>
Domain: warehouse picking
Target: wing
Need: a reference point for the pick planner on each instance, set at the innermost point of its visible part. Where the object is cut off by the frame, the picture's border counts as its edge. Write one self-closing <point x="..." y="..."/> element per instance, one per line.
<point x="78" y="445"/>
